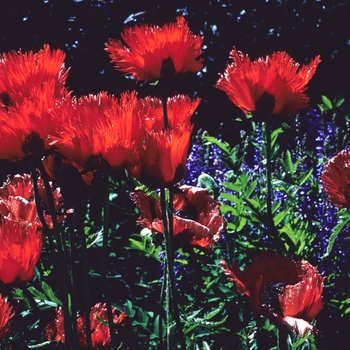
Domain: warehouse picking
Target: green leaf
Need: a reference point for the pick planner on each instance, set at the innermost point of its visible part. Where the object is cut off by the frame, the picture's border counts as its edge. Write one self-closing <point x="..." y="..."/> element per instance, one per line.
<point x="280" y="216"/>
<point x="37" y="294"/>
<point x="343" y="219"/>
<point x="50" y="293"/>
<point x="340" y="102"/>
<point x="287" y="163"/>
<point x="327" y="102"/>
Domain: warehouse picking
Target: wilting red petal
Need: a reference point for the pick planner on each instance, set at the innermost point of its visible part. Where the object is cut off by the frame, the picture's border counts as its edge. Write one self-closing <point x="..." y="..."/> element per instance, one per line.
<point x="336" y="179"/>
<point x="287" y="292"/>
<point x="304" y="299"/>
<point x="272" y="86"/>
<point x="149" y="46"/>
<point x="196" y="222"/>
<point x="5" y="317"/>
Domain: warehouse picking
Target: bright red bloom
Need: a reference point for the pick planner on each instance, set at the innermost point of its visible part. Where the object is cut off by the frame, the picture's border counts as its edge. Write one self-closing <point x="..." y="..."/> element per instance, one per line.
<point x="30" y="85"/>
<point x="20" y="249"/>
<point x="286" y="291"/>
<point x="336" y="179"/>
<point x="163" y="153"/>
<point x="100" y="127"/>
<point x="197" y="219"/>
<point x="20" y="72"/>
<point x="152" y="50"/>
<point x="100" y="335"/>
<point x="271" y="86"/>
<point x="5" y="317"/>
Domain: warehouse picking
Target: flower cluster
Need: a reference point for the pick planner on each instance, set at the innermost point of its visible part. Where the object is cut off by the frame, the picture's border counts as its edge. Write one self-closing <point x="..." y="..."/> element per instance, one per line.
<point x="100" y="334"/>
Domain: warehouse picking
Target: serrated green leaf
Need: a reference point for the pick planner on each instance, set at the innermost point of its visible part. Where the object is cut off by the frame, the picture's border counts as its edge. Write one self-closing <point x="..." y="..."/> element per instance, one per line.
<point x="343" y="219"/>
<point x="37" y="294"/>
<point x="50" y="293"/>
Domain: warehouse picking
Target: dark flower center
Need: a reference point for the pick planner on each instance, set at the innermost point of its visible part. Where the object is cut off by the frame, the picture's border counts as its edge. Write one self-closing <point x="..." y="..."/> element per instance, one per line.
<point x="33" y="143"/>
<point x="265" y="103"/>
<point x="5" y="99"/>
<point x="270" y="295"/>
<point x="167" y="70"/>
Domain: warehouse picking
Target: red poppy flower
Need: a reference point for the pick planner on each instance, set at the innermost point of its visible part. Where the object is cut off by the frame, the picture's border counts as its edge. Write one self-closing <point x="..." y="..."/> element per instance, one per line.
<point x="197" y="219"/>
<point x="271" y="86"/>
<point x="100" y="335"/>
<point x="20" y="72"/>
<point x="163" y="153"/>
<point x="286" y="291"/>
<point x="100" y="127"/>
<point x="154" y="51"/>
<point x="5" y="317"/>
<point x="26" y="126"/>
<point x="336" y="179"/>
<point x="20" y="249"/>
<point x="17" y="199"/>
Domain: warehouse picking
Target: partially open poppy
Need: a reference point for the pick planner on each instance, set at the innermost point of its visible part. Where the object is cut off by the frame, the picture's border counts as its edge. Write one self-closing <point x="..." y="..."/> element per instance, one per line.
<point x="163" y="153"/>
<point x="197" y="219"/>
<point x="271" y="86"/>
<point x="100" y="334"/>
<point x="154" y="52"/>
<point x="5" y="316"/>
<point x="336" y="179"/>
<point x="286" y="291"/>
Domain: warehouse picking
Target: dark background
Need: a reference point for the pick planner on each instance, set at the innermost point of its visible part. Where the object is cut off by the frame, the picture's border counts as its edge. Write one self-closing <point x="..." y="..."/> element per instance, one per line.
<point x="303" y="28"/>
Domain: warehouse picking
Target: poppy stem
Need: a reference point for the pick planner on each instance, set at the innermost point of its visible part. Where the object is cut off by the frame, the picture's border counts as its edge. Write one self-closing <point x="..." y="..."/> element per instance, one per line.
<point x="270" y="223"/>
<point x="282" y="340"/>
<point x="161" y="311"/>
<point x="164" y="87"/>
<point x="104" y="257"/>
<point x="171" y="304"/>
<point x="80" y="214"/>
<point x="169" y="275"/>
<point x="64" y="272"/>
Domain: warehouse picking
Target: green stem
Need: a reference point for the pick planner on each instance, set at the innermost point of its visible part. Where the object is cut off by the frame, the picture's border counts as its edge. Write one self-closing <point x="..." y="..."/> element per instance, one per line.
<point x="105" y="258"/>
<point x="282" y="340"/>
<point x="268" y="171"/>
<point x="64" y="272"/>
<point x="169" y="271"/>
<point x="80" y="214"/>
<point x="161" y="301"/>
<point x="270" y="224"/>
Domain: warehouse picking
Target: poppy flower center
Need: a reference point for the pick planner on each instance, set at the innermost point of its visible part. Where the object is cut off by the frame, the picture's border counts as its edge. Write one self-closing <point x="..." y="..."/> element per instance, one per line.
<point x="167" y="70"/>
<point x="270" y="295"/>
<point x="265" y="103"/>
<point x="33" y="143"/>
<point x="5" y="99"/>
